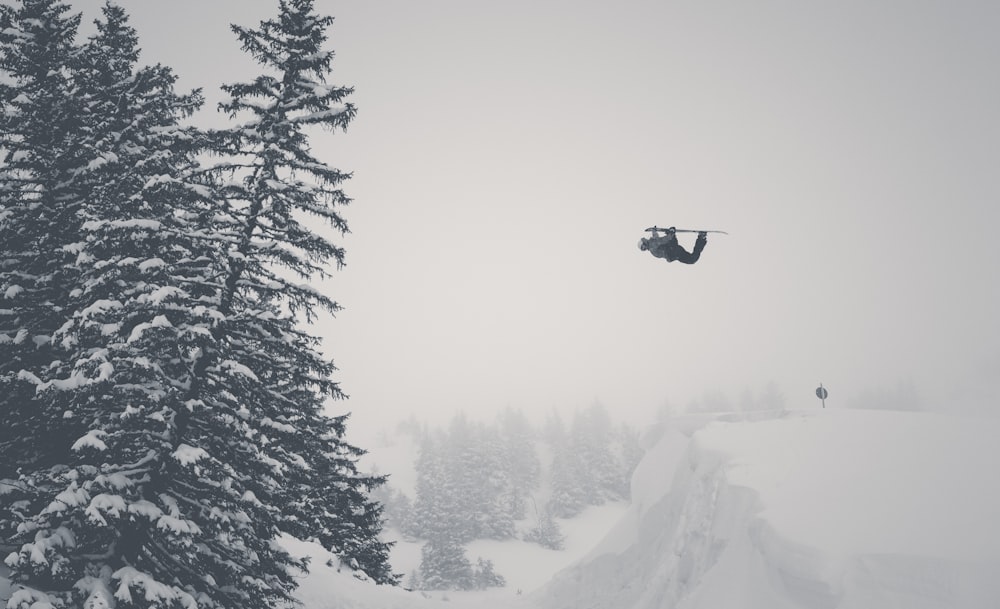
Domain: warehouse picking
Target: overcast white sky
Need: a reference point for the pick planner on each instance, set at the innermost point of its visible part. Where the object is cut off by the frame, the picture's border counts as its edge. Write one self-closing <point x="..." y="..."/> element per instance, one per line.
<point x="507" y="156"/>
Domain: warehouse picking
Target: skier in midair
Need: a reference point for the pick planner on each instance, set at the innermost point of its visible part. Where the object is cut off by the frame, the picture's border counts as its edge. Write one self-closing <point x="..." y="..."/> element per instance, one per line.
<point x="667" y="247"/>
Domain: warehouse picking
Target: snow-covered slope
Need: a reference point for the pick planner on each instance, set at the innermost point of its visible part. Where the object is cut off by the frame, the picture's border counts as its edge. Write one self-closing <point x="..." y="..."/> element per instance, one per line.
<point x="812" y="510"/>
<point x="820" y="509"/>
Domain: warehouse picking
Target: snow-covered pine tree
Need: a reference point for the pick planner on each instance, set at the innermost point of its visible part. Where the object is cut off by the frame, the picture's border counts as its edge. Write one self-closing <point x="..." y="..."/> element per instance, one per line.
<point x="525" y="468"/>
<point x="398" y="507"/>
<point x="274" y="187"/>
<point x="435" y="499"/>
<point x="176" y="379"/>
<point x="567" y="492"/>
<point x="495" y="486"/>
<point x="40" y="151"/>
<point x="141" y="508"/>
<point x="546" y="531"/>
<point x="485" y="576"/>
<point x="447" y="492"/>
<point x="591" y="436"/>
<point x="463" y="471"/>
<point x="463" y="484"/>
<point x="444" y="566"/>
<point x="567" y="498"/>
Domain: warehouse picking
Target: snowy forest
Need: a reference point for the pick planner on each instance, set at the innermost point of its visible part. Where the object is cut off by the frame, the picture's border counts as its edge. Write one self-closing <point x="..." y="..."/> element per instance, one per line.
<point x="175" y="428"/>
<point x="508" y="479"/>
<point x="161" y="398"/>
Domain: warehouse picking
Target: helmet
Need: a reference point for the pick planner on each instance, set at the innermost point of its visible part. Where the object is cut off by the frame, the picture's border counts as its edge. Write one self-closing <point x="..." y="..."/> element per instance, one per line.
<point x="643" y="244"/>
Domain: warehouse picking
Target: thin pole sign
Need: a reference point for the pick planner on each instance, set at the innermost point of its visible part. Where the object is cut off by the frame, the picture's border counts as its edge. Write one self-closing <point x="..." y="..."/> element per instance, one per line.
<point x="822" y="394"/>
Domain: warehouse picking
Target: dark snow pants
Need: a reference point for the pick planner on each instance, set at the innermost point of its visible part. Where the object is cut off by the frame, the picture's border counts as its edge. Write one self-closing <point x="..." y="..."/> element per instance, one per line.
<point x="682" y="255"/>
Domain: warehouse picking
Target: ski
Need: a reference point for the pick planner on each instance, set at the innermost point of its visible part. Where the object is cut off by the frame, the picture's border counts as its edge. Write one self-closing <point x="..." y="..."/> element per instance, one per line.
<point x="683" y="230"/>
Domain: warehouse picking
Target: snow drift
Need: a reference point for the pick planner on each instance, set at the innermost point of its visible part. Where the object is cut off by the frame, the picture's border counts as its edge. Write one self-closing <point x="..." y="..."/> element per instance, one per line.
<point x="821" y="509"/>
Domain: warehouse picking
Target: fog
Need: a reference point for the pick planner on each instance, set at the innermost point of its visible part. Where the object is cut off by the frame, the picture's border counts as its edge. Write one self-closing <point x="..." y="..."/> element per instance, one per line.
<point x="508" y="155"/>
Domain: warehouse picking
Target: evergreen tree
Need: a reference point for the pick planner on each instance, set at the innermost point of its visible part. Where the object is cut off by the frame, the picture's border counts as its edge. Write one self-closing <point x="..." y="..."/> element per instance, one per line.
<point x="546" y="531"/>
<point x="567" y="492"/>
<point x="591" y="441"/>
<point x="444" y="566"/>
<point x="189" y="400"/>
<point x="484" y="575"/>
<point x="139" y="504"/>
<point x="630" y="453"/>
<point x="435" y="496"/>
<point x="554" y="429"/>
<point x="519" y="443"/>
<point x="40" y="155"/>
<point x="566" y="495"/>
<point x="463" y="471"/>
<point x="463" y="485"/>
<point x="398" y="507"/>
<point x="493" y="469"/>
<point x="273" y="186"/>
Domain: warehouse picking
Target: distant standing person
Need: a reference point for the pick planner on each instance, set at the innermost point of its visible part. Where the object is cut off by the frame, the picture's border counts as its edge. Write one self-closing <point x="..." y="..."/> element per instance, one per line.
<point x="667" y="247"/>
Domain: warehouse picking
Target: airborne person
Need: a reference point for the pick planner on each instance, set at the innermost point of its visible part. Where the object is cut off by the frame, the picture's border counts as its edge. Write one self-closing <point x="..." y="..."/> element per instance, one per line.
<point x="667" y="247"/>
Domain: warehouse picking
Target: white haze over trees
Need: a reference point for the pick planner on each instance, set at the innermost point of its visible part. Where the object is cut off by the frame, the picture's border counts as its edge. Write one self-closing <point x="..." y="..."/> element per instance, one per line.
<point x="500" y="481"/>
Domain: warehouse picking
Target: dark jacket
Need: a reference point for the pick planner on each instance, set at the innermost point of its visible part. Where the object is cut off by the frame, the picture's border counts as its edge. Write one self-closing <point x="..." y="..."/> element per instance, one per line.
<point x="666" y="247"/>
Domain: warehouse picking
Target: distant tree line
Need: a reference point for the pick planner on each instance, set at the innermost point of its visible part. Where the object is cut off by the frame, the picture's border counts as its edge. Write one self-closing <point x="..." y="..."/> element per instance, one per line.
<point x="769" y="397"/>
<point x="484" y="481"/>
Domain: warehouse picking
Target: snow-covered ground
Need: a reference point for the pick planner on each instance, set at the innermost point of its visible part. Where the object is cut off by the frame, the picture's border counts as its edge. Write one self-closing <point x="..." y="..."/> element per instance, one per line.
<point x="524" y="565"/>
<point x="816" y="509"/>
<point x="849" y="509"/>
<point x="819" y="509"/>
